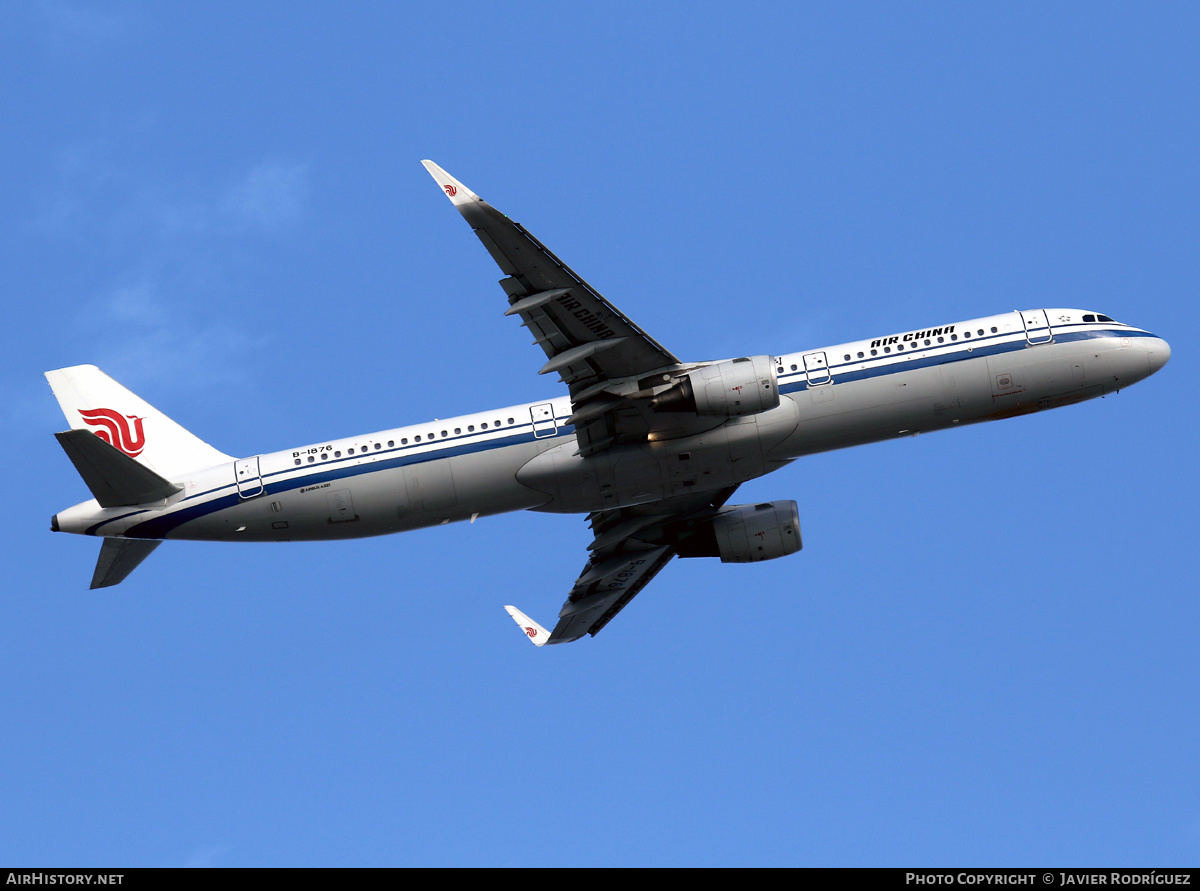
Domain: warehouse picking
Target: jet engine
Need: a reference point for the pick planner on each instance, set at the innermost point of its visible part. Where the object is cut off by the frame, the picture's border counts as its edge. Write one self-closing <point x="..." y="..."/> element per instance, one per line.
<point x="731" y="388"/>
<point x="747" y="533"/>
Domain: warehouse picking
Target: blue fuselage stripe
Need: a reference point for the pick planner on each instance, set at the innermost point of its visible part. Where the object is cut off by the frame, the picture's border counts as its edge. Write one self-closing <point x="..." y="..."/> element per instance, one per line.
<point x="879" y="366"/>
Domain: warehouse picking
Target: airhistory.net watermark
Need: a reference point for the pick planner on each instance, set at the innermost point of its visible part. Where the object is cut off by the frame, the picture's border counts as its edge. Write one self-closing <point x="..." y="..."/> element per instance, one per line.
<point x="63" y="878"/>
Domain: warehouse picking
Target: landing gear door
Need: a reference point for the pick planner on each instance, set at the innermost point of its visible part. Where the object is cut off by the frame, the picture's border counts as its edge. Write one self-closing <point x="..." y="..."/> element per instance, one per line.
<point x="816" y="368"/>
<point x="249" y="480"/>
<point x="1037" y="328"/>
<point x="543" y="420"/>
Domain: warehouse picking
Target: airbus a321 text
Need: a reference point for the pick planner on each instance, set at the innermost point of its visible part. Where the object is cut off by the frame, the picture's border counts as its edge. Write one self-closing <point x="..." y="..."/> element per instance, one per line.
<point x="650" y="447"/>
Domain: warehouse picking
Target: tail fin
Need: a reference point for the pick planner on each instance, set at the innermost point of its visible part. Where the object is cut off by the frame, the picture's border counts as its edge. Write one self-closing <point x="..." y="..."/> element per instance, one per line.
<point x="93" y="401"/>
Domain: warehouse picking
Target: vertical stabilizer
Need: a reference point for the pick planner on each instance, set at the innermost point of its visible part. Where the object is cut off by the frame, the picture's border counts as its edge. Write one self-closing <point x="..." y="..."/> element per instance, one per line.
<point x="93" y="401"/>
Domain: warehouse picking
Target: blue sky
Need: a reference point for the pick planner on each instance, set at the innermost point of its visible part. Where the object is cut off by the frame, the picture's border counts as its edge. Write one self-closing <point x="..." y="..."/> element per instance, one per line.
<point x="985" y="654"/>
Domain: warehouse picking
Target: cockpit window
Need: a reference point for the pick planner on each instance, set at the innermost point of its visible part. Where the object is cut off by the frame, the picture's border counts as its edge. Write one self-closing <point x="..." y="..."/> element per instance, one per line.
<point x="1089" y="318"/>
<point x="1100" y="318"/>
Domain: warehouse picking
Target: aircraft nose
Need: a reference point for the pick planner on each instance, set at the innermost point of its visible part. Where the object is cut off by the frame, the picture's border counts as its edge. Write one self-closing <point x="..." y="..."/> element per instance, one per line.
<point x="1158" y="351"/>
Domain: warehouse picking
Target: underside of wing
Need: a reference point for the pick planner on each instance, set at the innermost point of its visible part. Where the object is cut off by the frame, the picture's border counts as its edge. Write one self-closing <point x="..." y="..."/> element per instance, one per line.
<point x="608" y="362"/>
<point x="585" y="337"/>
<point x="629" y="547"/>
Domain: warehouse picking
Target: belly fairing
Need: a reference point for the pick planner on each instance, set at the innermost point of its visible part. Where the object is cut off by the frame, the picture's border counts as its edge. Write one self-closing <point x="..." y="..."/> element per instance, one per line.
<point x="624" y="475"/>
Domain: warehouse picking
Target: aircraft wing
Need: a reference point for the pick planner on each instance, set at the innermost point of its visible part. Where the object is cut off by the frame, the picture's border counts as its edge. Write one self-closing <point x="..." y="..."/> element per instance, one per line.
<point x="630" y="546"/>
<point x="587" y="340"/>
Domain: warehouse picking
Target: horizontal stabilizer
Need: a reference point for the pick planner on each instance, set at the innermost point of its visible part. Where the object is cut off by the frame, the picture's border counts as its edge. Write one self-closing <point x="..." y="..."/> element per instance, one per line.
<point x="536" y="633"/>
<point x="115" y="479"/>
<point x="118" y="558"/>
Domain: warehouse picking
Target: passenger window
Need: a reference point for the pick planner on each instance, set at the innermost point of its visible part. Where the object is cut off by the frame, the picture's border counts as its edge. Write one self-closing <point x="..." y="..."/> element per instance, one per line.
<point x="993" y="330"/>
<point x="350" y="451"/>
<point x="339" y="454"/>
<point x="980" y="332"/>
<point x="510" y="420"/>
<point x="860" y="355"/>
<point x="311" y="459"/>
<point x="417" y="438"/>
<point x="297" y="460"/>
<point x="887" y="349"/>
<point x="378" y="447"/>
<point x="966" y="334"/>
<point x="457" y="430"/>
<point x="483" y="426"/>
<point x="324" y="456"/>
<point x="874" y="352"/>
<point x="404" y="441"/>
<point x="779" y="370"/>
<point x="794" y="367"/>
<point x="846" y="358"/>
<point x="392" y="442"/>
<point x="927" y="343"/>
<point x="954" y="337"/>
<point x="470" y="428"/>
<point x="941" y="340"/>
<point x="443" y="434"/>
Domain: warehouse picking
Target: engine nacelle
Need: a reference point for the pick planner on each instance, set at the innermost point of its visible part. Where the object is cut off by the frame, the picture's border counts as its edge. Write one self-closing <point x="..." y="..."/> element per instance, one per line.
<point x="746" y="533"/>
<point x="727" y="389"/>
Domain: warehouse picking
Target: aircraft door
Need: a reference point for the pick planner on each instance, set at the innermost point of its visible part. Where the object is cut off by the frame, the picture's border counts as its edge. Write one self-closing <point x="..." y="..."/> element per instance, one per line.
<point x="816" y="368"/>
<point x="1037" y="328"/>
<point x="249" y="480"/>
<point x="543" y="420"/>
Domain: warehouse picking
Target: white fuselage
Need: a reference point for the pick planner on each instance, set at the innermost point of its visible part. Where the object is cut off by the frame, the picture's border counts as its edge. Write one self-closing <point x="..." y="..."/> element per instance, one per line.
<point x="523" y="456"/>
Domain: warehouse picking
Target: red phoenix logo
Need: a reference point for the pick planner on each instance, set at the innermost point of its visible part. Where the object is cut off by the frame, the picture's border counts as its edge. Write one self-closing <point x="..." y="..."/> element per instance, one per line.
<point x="450" y="190"/>
<point x="532" y="632"/>
<point x="115" y="429"/>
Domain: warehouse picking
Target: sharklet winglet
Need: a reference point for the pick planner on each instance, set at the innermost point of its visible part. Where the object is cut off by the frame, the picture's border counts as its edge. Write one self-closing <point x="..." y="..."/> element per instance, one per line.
<point x="458" y="194"/>
<point x="538" y="636"/>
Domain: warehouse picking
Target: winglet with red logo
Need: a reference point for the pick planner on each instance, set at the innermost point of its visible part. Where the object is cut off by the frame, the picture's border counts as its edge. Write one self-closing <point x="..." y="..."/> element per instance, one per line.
<point x="536" y="633"/>
<point x="455" y="191"/>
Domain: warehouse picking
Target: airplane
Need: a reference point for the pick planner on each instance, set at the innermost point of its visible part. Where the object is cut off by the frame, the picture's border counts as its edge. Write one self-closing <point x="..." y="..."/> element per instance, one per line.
<point x="650" y="447"/>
